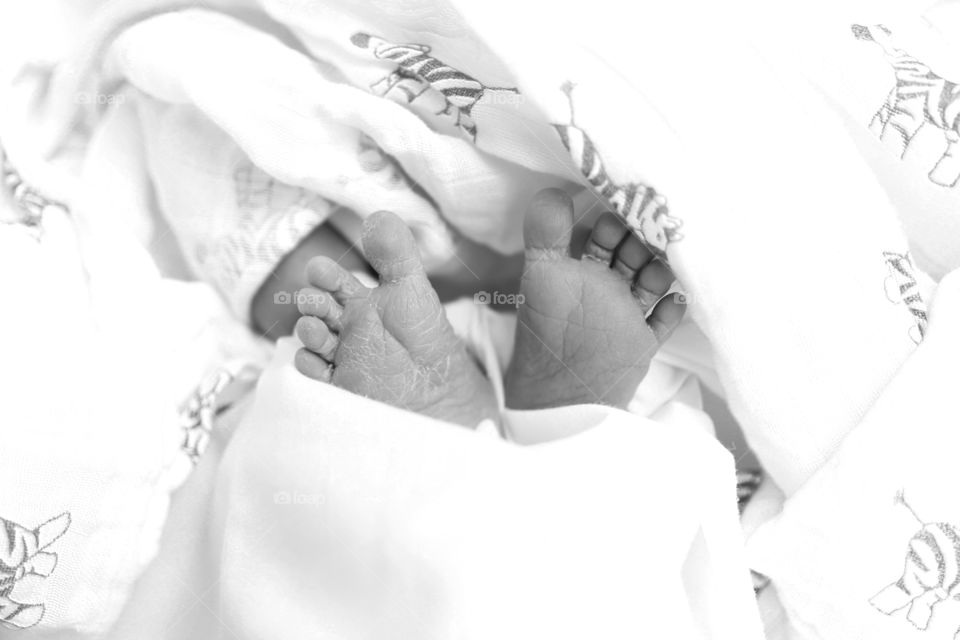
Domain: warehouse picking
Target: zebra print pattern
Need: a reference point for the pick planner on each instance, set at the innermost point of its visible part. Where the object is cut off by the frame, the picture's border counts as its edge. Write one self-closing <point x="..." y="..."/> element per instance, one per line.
<point x="417" y="72"/>
<point x="920" y="97"/>
<point x="24" y="563"/>
<point x="901" y="286"/>
<point x="643" y="209"/>
<point x="931" y="572"/>
<point x="272" y="217"/>
<point x="211" y="398"/>
<point x="748" y="481"/>
<point x="29" y="202"/>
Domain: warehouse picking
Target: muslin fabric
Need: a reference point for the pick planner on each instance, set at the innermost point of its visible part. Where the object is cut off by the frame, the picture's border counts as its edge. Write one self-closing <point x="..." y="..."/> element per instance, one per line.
<point x="472" y="113"/>
<point x="755" y="150"/>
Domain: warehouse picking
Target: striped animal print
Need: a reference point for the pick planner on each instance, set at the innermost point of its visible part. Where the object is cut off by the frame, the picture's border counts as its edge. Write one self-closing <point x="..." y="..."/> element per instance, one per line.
<point x="901" y="286"/>
<point x="216" y="393"/>
<point x="417" y="73"/>
<point x="931" y="572"/>
<point x="272" y="216"/>
<point x="644" y="210"/>
<point x="24" y="561"/>
<point x="920" y="97"/>
<point x="29" y="202"/>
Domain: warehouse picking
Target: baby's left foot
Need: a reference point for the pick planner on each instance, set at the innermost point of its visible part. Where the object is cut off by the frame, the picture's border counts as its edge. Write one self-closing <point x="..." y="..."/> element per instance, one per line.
<point x="391" y="343"/>
<point x="586" y="329"/>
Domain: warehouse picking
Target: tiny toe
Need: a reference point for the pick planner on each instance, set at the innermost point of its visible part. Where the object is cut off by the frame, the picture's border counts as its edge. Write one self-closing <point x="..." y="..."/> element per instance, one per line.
<point x="318" y="303"/>
<point x="390" y="247"/>
<point x="666" y="316"/>
<point x="548" y="224"/>
<point x="631" y="256"/>
<point x="317" y="337"/>
<point x="327" y="274"/>
<point x="603" y="240"/>
<point x="313" y="366"/>
<point x="652" y="282"/>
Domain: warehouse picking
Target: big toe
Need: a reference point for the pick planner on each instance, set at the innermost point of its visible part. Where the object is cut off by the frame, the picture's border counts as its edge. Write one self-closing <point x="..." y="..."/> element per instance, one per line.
<point x="390" y="247"/>
<point x="409" y="307"/>
<point x="549" y="223"/>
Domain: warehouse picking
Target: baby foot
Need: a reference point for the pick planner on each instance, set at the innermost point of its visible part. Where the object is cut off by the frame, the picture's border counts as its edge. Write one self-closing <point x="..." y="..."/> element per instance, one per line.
<point x="587" y="329"/>
<point x="391" y="343"/>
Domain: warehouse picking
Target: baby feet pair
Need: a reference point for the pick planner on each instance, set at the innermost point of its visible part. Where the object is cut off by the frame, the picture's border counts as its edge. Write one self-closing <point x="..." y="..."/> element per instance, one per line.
<point x="586" y="329"/>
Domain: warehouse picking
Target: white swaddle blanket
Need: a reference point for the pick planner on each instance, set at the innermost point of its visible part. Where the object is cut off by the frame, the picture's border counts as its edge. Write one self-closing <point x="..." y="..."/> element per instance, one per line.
<point x="91" y="445"/>
<point x="337" y="517"/>
<point x="763" y="205"/>
<point x="779" y="231"/>
<point x="251" y="144"/>
<point x="870" y="547"/>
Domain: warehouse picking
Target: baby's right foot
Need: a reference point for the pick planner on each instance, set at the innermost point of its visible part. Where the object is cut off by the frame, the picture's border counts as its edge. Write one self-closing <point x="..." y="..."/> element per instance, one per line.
<point x="587" y="329"/>
<point x="390" y="343"/>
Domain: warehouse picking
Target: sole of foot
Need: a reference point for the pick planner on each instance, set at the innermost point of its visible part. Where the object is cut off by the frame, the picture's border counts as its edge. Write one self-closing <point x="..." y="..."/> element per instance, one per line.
<point x="588" y="328"/>
<point x="391" y="343"/>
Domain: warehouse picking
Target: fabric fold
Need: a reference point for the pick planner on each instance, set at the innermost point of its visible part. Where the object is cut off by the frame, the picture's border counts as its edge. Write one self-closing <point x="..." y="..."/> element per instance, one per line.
<point x="362" y="521"/>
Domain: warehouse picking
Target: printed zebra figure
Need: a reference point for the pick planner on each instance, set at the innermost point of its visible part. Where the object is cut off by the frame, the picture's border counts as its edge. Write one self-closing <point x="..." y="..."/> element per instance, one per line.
<point x="216" y="393"/>
<point x="901" y="286"/>
<point x="29" y="202"/>
<point x="418" y="74"/>
<point x="931" y="572"/>
<point x="643" y="209"/>
<point x="920" y="97"/>
<point x="24" y="563"/>
<point x="272" y="216"/>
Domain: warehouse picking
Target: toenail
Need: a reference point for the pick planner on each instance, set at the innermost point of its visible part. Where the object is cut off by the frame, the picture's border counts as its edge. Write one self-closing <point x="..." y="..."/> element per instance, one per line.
<point x="646" y="298"/>
<point x="590" y="256"/>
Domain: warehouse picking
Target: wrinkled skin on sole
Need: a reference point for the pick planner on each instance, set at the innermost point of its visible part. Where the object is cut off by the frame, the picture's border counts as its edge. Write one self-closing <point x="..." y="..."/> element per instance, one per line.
<point x="390" y="343"/>
<point x="587" y="328"/>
